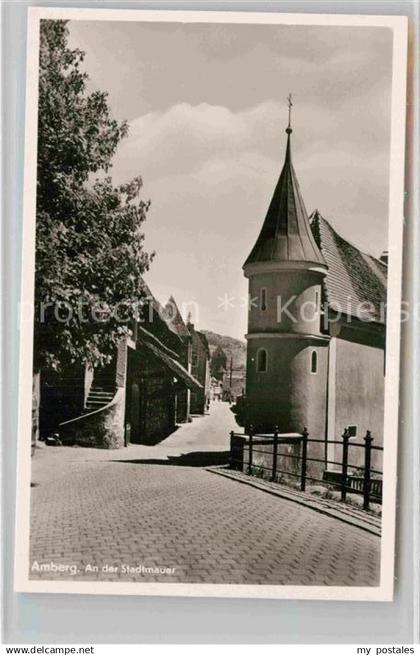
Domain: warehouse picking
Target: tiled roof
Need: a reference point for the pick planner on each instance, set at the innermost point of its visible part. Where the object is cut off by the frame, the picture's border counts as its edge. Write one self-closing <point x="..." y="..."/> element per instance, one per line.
<point x="168" y="358"/>
<point x="204" y="341"/>
<point x="353" y="277"/>
<point x="175" y="319"/>
<point x="157" y="308"/>
<point x="286" y="234"/>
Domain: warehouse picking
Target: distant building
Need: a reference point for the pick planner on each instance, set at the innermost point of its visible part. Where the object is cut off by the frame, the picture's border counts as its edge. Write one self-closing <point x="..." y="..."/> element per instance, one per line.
<point x="218" y="363"/>
<point x="216" y="389"/>
<point x="200" y="370"/>
<point x="316" y="333"/>
<point x="235" y="383"/>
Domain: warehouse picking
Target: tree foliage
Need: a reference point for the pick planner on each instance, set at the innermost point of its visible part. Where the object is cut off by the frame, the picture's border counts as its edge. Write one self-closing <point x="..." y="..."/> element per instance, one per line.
<point x="90" y="255"/>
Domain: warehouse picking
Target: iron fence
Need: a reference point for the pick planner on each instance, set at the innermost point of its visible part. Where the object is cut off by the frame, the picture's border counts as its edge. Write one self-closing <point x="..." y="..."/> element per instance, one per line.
<point x="348" y="478"/>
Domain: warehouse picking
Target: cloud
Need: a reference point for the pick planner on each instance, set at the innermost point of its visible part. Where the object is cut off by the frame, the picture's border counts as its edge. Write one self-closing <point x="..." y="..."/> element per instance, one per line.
<point x="153" y="66"/>
<point x="206" y="105"/>
<point x="180" y="139"/>
<point x="210" y="173"/>
<point x="192" y="155"/>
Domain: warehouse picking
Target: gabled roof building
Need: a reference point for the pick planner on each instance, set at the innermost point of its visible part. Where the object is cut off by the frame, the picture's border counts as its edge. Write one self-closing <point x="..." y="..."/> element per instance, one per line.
<point x="139" y="397"/>
<point x="200" y="369"/>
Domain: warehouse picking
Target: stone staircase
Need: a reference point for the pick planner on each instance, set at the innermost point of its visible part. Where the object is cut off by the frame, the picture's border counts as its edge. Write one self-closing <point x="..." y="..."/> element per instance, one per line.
<point x="99" y="397"/>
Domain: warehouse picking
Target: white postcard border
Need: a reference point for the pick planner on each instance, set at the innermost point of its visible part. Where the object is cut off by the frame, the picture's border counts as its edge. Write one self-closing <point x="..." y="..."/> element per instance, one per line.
<point x="383" y="592"/>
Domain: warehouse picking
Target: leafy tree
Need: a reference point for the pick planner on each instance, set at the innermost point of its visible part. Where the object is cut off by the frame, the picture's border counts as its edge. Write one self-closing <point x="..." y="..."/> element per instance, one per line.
<point x="90" y="258"/>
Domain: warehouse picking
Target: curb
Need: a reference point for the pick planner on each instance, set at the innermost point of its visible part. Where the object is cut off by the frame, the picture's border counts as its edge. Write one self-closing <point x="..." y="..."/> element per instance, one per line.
<point x="362" y="524"/>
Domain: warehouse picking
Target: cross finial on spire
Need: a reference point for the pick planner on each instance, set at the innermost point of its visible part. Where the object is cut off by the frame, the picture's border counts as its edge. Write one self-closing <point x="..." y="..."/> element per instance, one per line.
<point x="290" y="105"/>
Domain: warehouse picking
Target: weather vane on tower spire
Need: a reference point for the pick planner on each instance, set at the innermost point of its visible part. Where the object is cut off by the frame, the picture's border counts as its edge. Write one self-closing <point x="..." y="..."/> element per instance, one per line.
<point x="290" y="105"/>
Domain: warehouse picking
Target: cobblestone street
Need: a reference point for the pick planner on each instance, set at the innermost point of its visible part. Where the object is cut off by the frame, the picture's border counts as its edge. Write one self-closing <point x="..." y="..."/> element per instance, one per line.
<point x="145" y="508"/>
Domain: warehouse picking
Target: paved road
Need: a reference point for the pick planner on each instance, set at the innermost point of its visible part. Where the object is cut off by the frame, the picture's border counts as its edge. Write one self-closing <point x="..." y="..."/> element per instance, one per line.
<point x="137" y="510"/>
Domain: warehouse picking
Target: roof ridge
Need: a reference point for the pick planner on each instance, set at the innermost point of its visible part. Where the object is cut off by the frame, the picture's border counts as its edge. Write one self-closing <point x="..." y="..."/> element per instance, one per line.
<point x="159" y="309"/>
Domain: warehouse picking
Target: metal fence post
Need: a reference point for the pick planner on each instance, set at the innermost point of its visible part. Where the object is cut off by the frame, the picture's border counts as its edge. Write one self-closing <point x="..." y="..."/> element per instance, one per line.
<point x="250" y="445"/>
<point x="275" y="449"/>
<point x="304" y="457"/>
<point x="231" y="454"/>
<point x="345" y="460"/>
<point x="366" y="477"/>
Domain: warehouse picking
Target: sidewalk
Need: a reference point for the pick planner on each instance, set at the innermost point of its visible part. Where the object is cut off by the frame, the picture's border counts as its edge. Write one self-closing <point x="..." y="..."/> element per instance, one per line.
<point x="341" y="511"/>
<point x="171" y="513"/>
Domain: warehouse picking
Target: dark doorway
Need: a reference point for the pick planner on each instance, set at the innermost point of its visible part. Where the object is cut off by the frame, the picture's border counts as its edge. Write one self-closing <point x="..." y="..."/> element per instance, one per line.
<point x="135" y="413"/>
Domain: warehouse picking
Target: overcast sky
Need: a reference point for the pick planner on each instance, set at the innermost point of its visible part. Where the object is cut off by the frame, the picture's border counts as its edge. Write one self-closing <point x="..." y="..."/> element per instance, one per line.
<point x="207" y="111"/>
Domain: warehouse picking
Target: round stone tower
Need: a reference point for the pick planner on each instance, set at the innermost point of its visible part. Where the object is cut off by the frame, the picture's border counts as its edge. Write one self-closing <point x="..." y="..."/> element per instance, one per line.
<point x="287" y="353"/>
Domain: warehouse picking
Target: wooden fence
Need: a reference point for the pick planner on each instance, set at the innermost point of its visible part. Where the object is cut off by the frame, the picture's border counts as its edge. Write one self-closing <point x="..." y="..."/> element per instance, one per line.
<point x="348" y="478"/>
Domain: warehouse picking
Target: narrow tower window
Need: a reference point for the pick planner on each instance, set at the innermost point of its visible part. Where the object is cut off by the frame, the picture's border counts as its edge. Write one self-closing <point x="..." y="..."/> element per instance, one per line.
<point x="316" y="301"/>
<point x="263" y="299"/>
<point x="314" y="362"/>
<point x="262" y="361"/>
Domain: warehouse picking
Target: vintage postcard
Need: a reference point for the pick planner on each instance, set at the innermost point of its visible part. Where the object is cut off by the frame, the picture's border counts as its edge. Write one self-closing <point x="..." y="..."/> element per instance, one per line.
<point x="210" y="312"/>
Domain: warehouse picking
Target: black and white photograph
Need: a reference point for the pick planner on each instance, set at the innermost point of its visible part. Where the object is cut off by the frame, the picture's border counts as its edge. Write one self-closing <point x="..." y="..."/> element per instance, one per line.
<point x="211" y="308"/>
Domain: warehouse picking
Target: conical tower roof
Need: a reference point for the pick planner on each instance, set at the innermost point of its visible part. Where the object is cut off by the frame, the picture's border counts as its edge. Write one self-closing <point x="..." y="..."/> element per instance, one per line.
<point x="286" y="235"/>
